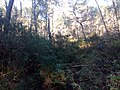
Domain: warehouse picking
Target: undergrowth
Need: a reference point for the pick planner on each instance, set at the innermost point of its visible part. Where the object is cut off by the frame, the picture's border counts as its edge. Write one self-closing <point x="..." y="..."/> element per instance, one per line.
<point x="31" y="62"/>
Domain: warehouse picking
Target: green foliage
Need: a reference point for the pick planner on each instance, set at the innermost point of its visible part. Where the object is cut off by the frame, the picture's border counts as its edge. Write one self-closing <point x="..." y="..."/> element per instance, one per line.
<point x="114" y="81"/>
<point x="24" y="53"/>
<point x="94" y="38"/>
<point x="96" y="63"/>
<point x="26" y="47"/>
<point x="26" y="57"/>
<point x="34" y="82"/>
<point x="65" y="50"/>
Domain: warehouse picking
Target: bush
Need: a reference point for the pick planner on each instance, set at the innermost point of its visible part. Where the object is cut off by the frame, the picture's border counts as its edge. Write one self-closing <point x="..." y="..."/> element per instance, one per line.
<point x="24" y="53"/>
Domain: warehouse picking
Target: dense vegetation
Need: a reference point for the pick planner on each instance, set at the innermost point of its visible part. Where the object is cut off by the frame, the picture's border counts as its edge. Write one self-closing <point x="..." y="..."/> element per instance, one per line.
<point x="30" y="62"/>
<point x="42" y="48"/>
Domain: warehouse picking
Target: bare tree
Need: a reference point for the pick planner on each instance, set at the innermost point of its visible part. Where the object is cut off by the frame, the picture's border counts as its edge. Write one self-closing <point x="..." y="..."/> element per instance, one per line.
<point x="102" y="16"/>
<point x="80" y="19"/>
<point x="48" y="28"/>
<point x="48" y="8"/>
<point x="34" y="14"/>
<point x="8" y="15"/>
<point x="1" y="19"/>
<point x="20" y="9"/>
<point x="116" y="16"/>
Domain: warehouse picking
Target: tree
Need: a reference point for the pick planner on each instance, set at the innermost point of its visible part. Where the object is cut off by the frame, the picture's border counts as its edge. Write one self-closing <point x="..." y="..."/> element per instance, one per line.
<point x="116" y="15"/>
<point x="46" y="13"/>
<point x="80" y="14"/>
<point x="102" y="16"/>
<point x="34" y="14"/>
<point x="92" y="25"/>
<point x="20" y="9"/>
<point x="1" y="19"/>
<point x="8" y="15"/>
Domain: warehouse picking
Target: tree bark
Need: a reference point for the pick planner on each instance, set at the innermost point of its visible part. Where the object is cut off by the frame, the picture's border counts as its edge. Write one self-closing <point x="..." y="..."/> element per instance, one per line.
<point x="8" y="15"/>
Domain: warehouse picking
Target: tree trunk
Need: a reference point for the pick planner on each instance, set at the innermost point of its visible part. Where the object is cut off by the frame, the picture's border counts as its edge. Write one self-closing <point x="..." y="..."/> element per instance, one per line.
<point x="34" y="15"/>
<point x="80" y="23"/>
<point x="84" y="36"/>
<point x="6" y="4"/>
<point x="48" y="28"/>
<point x="102" y="17"/>
<point x="8" y="15"/>
<point x="116" y="16"/>
<point x="20" y="9"/>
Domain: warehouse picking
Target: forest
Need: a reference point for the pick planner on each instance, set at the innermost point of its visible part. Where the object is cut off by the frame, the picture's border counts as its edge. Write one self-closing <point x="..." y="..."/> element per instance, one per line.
<point x="59" y="44"/>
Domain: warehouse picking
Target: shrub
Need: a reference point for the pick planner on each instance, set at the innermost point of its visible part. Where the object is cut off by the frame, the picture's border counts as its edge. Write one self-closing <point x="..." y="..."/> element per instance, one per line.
<point x="25" y="53"/>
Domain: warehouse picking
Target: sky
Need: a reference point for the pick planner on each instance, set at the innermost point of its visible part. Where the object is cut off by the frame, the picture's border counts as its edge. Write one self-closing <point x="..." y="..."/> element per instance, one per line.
<point x="100" y="2"/>
<point x="65" y="7"/>
<point x="27" y="3"/>
<point x="58" y="11"/>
